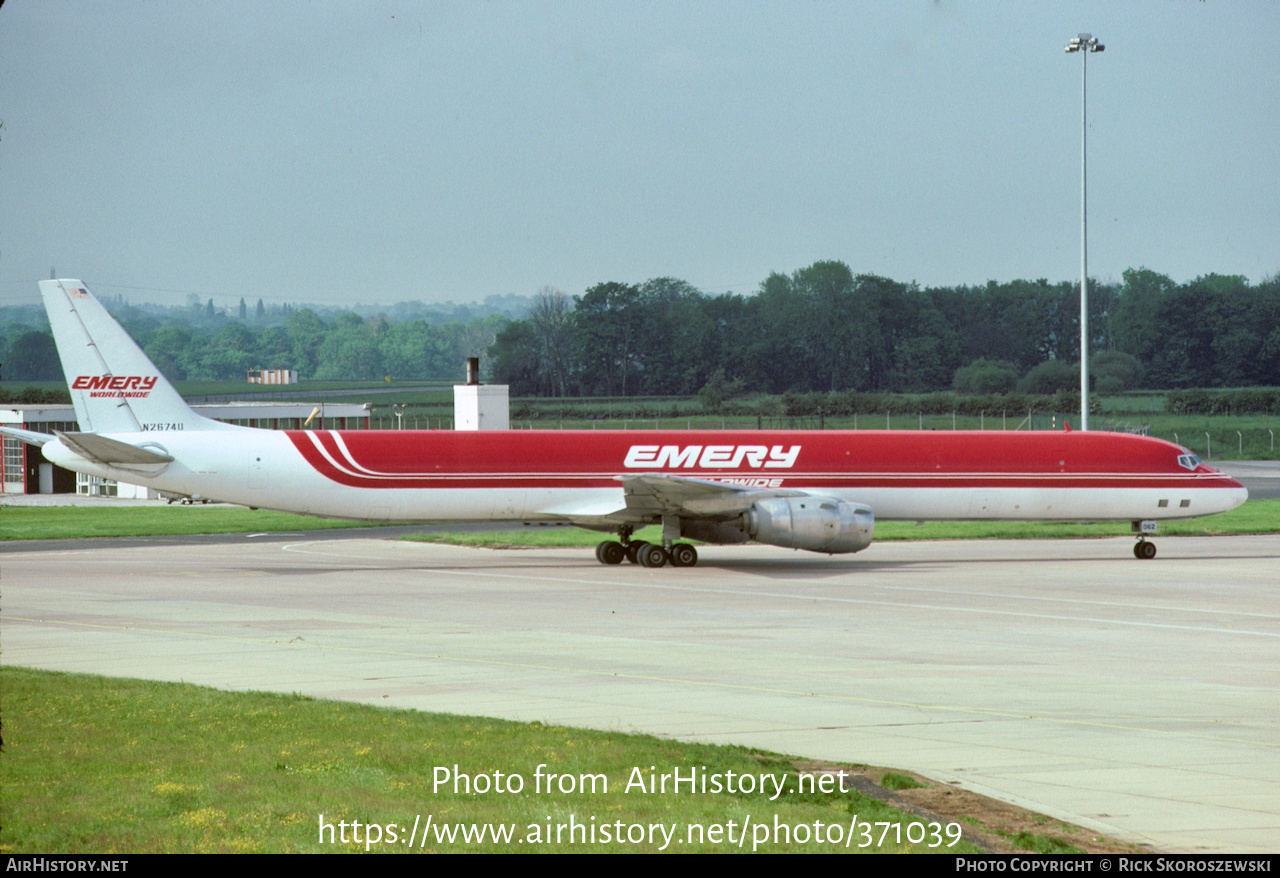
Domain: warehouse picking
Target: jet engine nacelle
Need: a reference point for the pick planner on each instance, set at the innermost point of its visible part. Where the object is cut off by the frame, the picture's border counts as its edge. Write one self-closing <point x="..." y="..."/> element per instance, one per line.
<point x="817" y="524"/>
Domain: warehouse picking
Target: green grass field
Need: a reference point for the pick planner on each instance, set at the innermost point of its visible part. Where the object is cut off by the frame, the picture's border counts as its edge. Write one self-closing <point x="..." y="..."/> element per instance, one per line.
<point x="237" y="388"/>
<point x="1254" y="517"/>
<point x="103" y="766"/>
<point x="74" y="522"/>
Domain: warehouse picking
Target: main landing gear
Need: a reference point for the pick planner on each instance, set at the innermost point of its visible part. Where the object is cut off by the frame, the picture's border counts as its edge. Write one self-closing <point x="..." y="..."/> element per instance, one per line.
<point x="1144" y="550"/>
<point x="645" y="554"/>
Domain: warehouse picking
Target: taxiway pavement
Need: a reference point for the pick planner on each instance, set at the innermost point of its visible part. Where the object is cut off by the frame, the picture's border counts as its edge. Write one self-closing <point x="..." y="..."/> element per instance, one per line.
<point x="1138" y="698"/>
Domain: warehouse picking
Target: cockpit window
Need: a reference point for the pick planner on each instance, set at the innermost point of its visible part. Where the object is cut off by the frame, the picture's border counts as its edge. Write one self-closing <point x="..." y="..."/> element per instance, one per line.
<point x="1190" y="461"/>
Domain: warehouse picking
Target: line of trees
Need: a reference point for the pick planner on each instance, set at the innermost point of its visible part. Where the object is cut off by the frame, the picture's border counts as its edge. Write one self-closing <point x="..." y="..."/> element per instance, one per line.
<point x="818" y="329"/>
<point x="348" y="348"/>
<point x="201" y="343"/>
<point x="822" y="328"/>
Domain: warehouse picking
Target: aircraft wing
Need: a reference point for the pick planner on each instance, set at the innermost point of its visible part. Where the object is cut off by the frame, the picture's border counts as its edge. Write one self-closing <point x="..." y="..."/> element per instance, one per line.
<point x="647" y="497"/>
<point x="706" y="510"/>
<point x="655" y="494"/>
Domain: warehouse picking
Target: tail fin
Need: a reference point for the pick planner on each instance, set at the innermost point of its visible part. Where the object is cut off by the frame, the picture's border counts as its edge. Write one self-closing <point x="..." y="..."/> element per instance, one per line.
<point x="114" y="386"/>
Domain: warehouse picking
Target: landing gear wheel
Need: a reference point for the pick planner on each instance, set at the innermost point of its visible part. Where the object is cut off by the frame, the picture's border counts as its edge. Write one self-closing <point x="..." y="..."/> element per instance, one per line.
<point x="683" y="555"/>
<point x="610" y="552"/>
<point x="1144" y="550"/>
<point x="650" y="555"/>
<point x="633" y="550"/>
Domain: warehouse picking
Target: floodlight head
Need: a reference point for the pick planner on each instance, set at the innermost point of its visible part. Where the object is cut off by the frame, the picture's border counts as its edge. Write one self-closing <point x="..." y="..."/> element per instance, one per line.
<point x="1084" y="41"/>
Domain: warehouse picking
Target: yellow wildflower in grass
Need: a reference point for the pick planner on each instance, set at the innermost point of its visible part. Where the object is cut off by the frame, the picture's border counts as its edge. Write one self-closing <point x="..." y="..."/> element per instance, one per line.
<point x="202" y="818"/>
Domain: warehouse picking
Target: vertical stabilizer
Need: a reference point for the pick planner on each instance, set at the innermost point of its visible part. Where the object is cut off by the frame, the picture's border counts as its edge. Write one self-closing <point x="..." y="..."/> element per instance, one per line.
<point x="114" y="386"/>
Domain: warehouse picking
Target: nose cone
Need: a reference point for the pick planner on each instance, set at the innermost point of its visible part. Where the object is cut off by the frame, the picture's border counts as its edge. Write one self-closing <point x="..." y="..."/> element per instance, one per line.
<point x="1215" y="491"/>
<point x="1242" y="494"/>
<point x="1231" y="493"/>
<point x="1240" y="490"/>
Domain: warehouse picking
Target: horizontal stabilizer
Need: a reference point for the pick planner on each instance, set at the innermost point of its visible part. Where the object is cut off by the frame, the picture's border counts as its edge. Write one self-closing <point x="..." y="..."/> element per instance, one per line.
<point x="31" y="437"/>
<point x="110" y="451"/>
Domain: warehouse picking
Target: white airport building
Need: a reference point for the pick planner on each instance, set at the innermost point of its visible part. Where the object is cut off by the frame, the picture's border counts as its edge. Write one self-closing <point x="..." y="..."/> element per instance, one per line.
<point x="24" y="471"/>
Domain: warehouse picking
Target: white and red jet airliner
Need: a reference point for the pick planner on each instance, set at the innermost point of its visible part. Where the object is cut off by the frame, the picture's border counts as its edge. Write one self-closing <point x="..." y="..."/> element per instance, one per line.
<point x="814" y="490"/>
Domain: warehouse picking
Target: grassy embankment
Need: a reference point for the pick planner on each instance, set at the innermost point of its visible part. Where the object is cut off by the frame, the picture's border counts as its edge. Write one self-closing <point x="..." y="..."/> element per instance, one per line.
<point x="99" y="765"/>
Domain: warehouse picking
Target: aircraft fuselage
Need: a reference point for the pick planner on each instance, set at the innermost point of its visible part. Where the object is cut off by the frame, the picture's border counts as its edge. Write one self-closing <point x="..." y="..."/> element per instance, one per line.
<point x="420" y="476"/>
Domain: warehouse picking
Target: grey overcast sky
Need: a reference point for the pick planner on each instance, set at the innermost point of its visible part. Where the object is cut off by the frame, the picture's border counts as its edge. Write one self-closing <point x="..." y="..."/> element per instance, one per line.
<point x="375" y="152"/>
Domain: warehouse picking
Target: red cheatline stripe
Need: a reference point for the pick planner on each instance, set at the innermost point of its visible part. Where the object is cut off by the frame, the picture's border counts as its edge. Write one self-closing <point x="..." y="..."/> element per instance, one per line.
<point x="329" y="455"/>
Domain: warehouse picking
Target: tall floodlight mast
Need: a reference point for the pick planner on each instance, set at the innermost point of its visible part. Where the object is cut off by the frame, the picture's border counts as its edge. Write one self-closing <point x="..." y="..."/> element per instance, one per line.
<point x="1084" y="44"/>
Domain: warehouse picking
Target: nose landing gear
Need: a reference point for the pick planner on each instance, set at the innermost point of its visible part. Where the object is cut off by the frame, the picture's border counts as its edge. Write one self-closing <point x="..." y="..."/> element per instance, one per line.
<point x="1143" y="550"/>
